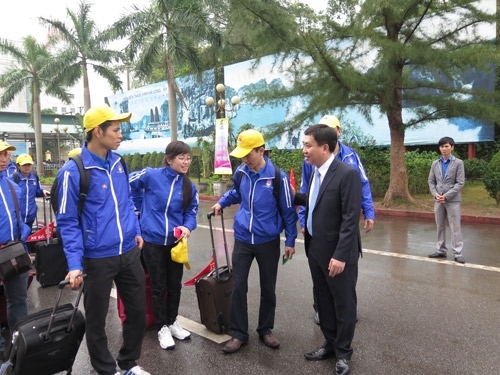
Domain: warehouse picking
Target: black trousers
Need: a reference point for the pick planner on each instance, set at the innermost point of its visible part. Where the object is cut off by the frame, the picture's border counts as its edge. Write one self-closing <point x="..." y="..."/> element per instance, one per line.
<point x="337" y="305"/>
<point x="128" y="274"/>
<point x="267" y="256"/>
<point x="166" y="282"/>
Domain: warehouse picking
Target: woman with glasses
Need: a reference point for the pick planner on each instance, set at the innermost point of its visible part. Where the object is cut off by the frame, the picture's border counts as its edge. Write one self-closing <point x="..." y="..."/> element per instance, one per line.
<point x="168" y="209"/>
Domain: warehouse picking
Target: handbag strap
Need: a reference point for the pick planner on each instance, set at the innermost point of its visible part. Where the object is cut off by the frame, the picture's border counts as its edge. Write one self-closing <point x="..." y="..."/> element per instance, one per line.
<point x="16" y="206"/>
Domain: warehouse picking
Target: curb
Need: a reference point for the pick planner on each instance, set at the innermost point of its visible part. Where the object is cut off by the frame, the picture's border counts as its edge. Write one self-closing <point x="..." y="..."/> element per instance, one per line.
<point x="402" y="213"/>
<point x="430" y="216"/>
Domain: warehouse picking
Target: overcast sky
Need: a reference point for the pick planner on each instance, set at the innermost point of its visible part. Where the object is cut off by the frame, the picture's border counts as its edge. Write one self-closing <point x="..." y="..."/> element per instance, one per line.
<point x="20" y="19"/>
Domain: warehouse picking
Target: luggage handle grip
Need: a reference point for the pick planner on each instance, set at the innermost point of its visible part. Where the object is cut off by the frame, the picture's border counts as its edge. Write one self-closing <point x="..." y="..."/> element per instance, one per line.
<point x="212" y="213"/>
<point x="61" y="286"/>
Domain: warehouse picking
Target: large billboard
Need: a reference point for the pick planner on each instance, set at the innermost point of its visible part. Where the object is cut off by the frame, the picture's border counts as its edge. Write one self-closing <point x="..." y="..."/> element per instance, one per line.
<point x="463" y="130"/>
<point x="149" y="128"/>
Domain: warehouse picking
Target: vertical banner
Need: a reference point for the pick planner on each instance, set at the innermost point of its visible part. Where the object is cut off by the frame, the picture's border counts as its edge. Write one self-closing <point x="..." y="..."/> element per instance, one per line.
<point x="221" y="159"/>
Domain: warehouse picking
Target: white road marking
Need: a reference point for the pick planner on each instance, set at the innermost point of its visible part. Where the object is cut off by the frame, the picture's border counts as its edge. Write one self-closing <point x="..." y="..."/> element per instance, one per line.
<point x="201" y="330"/>
<point x="396" y="255"/>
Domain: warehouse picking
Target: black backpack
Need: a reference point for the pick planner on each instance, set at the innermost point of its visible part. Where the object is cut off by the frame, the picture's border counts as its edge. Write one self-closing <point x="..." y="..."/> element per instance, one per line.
<point x="84" y="184"/>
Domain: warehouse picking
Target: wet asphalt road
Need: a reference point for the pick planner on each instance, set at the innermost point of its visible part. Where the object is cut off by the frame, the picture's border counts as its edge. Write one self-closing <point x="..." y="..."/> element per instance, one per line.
<point x="416" y="315"/>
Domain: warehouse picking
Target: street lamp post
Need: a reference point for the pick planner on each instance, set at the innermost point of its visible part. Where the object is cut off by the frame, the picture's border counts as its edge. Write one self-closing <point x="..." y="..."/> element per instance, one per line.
<point x="222" y="106"/>
<point x="56" y="129"/>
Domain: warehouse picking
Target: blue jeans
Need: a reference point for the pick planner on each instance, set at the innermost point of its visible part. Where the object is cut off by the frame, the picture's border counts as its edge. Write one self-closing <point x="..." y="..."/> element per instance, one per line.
<point x="17" y="299"/>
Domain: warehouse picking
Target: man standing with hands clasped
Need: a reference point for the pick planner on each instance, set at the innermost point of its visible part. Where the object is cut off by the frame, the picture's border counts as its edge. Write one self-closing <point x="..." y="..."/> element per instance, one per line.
<point x="258" y="223"/>
<point x="332" y="243"/>
<point x="446" y="181"/>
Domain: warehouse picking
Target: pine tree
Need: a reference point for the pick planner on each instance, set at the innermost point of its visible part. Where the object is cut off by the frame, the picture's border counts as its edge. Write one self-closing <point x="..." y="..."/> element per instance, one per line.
<point x="361" y="53"/>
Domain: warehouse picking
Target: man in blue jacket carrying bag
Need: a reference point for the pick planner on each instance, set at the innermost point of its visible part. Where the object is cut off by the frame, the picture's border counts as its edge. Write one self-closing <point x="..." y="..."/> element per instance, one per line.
<point x="104" y="242"/>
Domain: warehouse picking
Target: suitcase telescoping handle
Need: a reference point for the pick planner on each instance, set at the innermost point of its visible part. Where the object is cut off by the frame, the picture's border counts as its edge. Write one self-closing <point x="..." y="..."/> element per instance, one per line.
<point x="61" y="286"/>
<point x="46" y="223"/>
<point x="209" y="217"/>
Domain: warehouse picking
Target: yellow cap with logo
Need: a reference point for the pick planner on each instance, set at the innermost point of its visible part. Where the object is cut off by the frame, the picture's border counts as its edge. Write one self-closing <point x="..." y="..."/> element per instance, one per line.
<point x="330" y="120"/>
<point x="24" y="159"/>
<point x="96" y="116"/>
<point x="247" y="141"/>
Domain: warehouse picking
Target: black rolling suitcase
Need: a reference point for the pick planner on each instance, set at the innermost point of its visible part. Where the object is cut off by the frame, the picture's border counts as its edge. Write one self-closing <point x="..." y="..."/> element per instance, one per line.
<point x="50" y="261"/>
<point x="46" y="342"/>
<point x="214" y="290"/>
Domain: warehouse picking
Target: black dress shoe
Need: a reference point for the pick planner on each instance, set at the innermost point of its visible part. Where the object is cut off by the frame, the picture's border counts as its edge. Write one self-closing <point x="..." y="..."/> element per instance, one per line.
<point x="326" y="351"/>
<point x="342" y="367"/>
<point x="437" y="254"/>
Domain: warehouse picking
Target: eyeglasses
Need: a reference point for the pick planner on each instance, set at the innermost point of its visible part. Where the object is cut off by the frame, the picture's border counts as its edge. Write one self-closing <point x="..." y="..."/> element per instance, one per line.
<point x="184" y="159"/>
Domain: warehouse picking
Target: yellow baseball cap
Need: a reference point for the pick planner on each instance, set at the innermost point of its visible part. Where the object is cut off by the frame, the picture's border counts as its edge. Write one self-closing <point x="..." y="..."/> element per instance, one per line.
<point x="247" y="141"/>
<point x="4" y="146"/>
<point x="96" y="116"/>
<point x="24" y="159"/>
<point x="330" y="120"/>
<point x="74" y="152"/>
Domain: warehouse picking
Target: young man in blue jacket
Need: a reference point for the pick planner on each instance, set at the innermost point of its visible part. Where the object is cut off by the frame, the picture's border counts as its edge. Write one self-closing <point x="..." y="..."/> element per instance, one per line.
<point x="15" y="287"/>
<point x="260" y="219"/>
<point x="104" y="242"/>
<point x="30" y="188"/>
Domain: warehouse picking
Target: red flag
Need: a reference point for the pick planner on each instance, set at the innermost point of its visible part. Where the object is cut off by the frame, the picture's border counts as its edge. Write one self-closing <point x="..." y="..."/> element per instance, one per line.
<point x="293" y="183"/>
<point x="210" y="266"/>
<point x="292" y="179"/>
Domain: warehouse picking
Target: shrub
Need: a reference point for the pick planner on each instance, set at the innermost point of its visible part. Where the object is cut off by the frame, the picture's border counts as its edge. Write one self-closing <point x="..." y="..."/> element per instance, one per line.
<point x="418" y="165"/>
<point x="376" y="162"/>
<point x="288" y="159"/>
<point x="491" y="178"/>
<point x="475" y="169"/>
<point x="495" y="162"/>
<point x="136" y="163"/>
<point x="491" y="181"/>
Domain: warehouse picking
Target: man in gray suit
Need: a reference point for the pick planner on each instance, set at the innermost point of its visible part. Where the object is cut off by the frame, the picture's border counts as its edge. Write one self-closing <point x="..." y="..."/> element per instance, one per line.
<point x="446" y="181"/>
<point x="332" y="243"/>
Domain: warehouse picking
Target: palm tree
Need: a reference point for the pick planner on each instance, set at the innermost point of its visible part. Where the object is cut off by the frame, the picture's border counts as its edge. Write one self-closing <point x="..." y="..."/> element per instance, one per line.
<point x="170" y="32"/>
<point x="32" y="70"/>
<point x="84" y="46"/>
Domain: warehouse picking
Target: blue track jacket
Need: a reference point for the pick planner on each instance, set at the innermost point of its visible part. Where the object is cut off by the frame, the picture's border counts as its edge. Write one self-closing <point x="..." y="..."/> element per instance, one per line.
<point x="348" y="156"/>
<point x="9" y="228"/>
<point x="157" y="194"/>
<point x="108" y="225"/>
<point x="258" y="219"/>
<point x="30" y="189"/>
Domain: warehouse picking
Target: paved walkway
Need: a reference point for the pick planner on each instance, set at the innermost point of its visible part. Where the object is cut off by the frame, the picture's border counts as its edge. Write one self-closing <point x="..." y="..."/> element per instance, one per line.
<point x="416" y="315"/>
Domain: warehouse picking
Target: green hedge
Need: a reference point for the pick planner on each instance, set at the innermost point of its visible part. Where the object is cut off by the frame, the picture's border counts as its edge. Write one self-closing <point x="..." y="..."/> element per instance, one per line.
<point x="375" y="160"/>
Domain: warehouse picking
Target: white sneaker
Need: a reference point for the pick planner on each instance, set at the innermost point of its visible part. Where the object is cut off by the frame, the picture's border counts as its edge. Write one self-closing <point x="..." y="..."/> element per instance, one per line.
<point x="165" y="338"/>
<point x="178" y="332"/>
<point x="136" y="370"/>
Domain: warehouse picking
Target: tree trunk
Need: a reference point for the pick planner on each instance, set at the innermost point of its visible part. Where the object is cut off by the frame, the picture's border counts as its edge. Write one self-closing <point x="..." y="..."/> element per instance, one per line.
<point x="86" y="88"/>
<point x="398" y="184"/>
<point x="37" y="125"/>
<point x="172" y="104"/>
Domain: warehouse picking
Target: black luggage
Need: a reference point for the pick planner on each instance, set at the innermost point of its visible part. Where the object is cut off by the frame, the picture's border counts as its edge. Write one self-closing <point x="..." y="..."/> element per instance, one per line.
<point x="50" y="261"/>
<point x="214" y="290"/>
<point x="46" y="342"/>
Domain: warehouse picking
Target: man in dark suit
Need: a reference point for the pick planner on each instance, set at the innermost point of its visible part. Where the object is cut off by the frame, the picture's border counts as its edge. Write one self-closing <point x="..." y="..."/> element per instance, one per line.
<point x="332" y="242"/>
